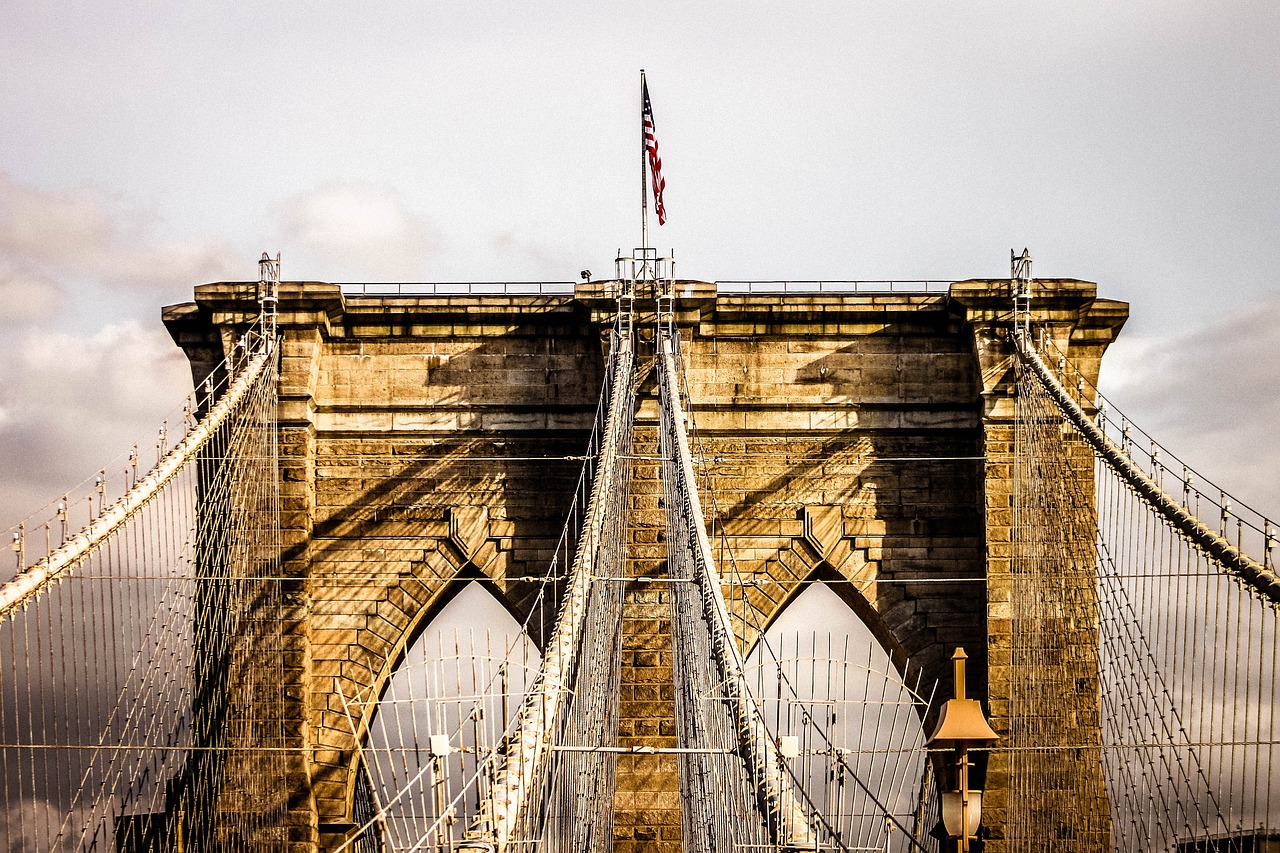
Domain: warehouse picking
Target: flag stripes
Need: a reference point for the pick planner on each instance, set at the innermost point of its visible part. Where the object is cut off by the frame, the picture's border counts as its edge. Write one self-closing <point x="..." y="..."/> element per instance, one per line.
<point x="655" y="160"/>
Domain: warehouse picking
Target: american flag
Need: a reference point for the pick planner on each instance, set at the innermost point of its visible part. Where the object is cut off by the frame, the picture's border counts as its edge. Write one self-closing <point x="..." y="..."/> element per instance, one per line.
<point x="655" y="160"/>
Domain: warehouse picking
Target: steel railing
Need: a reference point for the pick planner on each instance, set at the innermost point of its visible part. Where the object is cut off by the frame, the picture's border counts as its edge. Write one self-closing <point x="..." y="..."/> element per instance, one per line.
<point x="459" y="288"/>
<point x="900" y="286"/>
<point x="566" y="288"/>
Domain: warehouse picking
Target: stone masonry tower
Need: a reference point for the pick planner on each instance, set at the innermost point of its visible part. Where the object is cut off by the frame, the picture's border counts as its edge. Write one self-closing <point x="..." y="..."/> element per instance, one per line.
<point x="856" y="437"/>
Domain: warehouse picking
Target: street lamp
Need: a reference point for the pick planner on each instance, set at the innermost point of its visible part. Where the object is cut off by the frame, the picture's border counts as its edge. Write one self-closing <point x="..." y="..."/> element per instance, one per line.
<point x="960" y="726"/>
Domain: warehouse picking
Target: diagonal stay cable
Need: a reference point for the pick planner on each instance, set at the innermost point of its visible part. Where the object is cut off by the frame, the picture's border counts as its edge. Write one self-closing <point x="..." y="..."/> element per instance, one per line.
<point x="64" y="560"/>
<point x="768" y="771"/>
<point x="671" y="363"/>
<point x="530" y="742"/>
<point x="1231" y="558"/>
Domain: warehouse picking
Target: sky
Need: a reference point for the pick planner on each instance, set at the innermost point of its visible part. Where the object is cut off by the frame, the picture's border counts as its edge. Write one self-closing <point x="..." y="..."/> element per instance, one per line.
<point x="150" y="147"/>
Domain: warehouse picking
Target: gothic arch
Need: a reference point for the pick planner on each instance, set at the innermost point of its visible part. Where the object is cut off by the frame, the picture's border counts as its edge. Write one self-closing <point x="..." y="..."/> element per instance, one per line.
<point x="370" y="643"/>
<point x="848" y="581"/>
<point x="917" y="620"/>
<point x="848" y="591"/>
<point x="467" y="574"/>
<point x="512" y="628"/>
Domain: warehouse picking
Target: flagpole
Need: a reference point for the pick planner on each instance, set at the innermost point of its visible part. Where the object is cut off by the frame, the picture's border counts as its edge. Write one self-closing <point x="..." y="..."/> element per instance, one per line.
<point x="644" y="174"/>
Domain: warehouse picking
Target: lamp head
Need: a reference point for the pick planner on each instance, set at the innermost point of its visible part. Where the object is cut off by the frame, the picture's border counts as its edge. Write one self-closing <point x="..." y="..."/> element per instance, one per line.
<point x="952" y="817"/>
<point x="962" y="723"/>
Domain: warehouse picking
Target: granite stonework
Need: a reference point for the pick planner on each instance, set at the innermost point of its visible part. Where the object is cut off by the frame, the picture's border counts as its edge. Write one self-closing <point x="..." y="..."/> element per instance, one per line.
<point x="858" y="440"/>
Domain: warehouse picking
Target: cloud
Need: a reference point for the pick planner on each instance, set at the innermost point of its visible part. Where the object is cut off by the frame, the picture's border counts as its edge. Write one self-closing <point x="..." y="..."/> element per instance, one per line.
<point x="87" y="369"/>
<point x="361" y="231"/>
<point x="83" y="236"/>
<point x="53" y="226"/>
<point x="26" y="296"/>
<point x="1212" y="397"/>
<point x="72" y="402"/>
<point x="34" y="825"/>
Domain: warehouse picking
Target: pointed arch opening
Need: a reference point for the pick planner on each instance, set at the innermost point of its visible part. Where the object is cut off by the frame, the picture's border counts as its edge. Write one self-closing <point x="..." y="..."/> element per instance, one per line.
<point x="850" y="723"/>
<point x="852" y="593"/>
<point x="443" y="713"/>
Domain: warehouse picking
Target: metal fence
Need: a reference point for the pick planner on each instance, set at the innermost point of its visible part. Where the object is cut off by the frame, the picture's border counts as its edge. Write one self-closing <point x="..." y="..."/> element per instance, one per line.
<point x="459" y="288"/>
<point x="566" y="288"/>
<point x="913" y="287"/>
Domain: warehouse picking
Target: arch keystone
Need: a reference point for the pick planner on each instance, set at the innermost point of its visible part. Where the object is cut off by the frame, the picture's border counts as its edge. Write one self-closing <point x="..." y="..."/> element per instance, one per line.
<point x="823" y="529"/>
<point x="469" y="529"/>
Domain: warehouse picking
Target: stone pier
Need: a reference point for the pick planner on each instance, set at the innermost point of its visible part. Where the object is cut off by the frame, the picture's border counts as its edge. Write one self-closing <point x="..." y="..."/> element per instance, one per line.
<point x="859" y="440"/>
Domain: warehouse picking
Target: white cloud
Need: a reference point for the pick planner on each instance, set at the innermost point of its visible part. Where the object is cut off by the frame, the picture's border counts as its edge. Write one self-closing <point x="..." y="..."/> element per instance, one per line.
<point x="34" y="825"/>
<point x="84" y="236"/>
<point x="359" y="231"/>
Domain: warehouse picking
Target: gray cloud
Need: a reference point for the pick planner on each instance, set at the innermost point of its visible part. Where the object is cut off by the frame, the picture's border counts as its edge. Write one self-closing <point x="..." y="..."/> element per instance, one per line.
<point x="41" y="821"/>
<point x="1212" y="396"/>
<point x="87" y="369"/>
<point x="71" y="402"/>
<point x="26" y="295"/>
<point x="53" y="226"/>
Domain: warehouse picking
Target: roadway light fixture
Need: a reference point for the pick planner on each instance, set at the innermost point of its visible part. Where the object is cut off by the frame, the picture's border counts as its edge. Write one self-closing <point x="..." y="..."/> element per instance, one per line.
<point x="960" y="726"/>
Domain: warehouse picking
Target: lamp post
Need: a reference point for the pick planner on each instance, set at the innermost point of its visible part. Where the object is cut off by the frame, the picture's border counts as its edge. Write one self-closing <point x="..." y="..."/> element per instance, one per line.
<point x="961" y="724"/>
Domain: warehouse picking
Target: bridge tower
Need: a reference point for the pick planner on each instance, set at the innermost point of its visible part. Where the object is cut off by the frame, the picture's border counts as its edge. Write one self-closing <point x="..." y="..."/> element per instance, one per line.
<point x="859" y="439"/>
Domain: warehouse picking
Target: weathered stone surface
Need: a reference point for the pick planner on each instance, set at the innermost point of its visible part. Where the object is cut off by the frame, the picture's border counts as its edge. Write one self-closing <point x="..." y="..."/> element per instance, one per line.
<point x="857" y="441"/>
